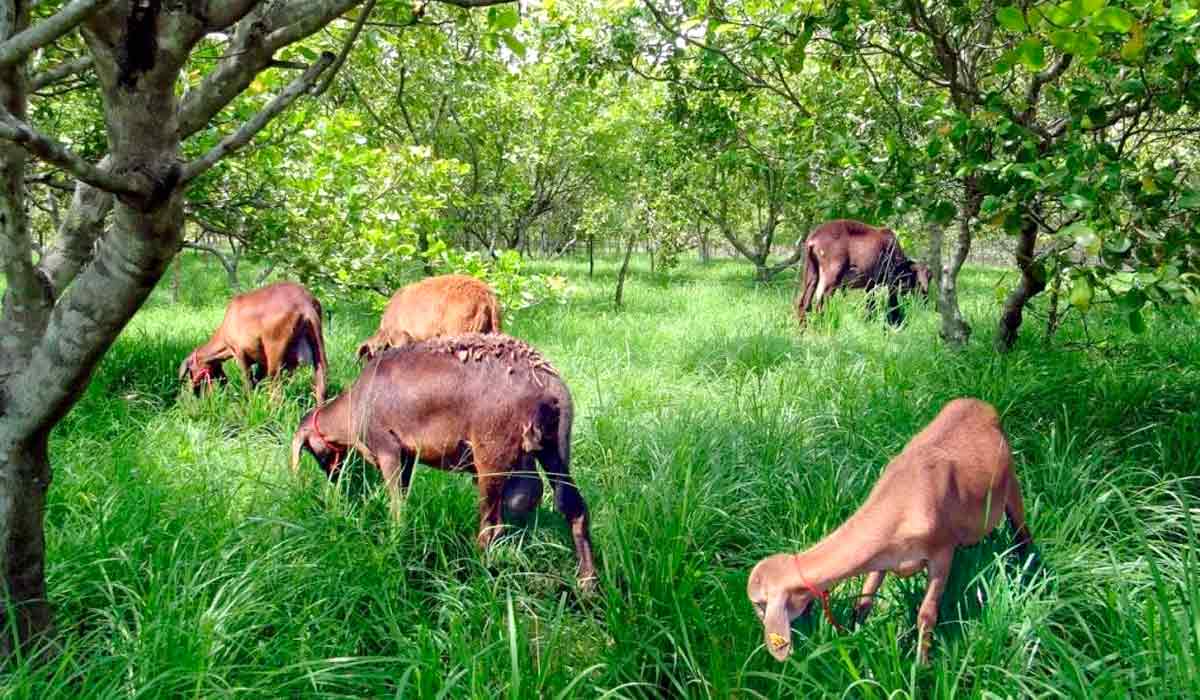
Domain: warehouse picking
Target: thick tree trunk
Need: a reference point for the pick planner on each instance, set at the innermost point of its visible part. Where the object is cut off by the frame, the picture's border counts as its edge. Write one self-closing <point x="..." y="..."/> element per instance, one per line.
<point x="24" y="479"/>
<point x="704" y="252"/>
<point x="1033" y="281"/>
<point x="955" y="330"/>
<point x="624" y="271"/>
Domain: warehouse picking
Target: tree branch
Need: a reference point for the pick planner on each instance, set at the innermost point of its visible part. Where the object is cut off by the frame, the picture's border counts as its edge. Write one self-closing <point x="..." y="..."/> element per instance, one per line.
<point x="59" y="155"/>
<point x="243" y="135"/>
<point x="17" y="48"/>
<point x="363" y="14"/>
<point x="1040" y="79"/>
<point x="60" y="72"/>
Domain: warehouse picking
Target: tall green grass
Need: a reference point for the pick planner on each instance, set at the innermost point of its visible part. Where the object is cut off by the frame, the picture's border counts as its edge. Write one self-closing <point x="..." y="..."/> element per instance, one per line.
<point x="186" y="561"/>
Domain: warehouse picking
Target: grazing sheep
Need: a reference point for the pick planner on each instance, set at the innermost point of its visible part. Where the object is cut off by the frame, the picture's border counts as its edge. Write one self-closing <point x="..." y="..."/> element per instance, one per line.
<point x="435" y="306"/>
<point x="485" y="404"/>
<point x="946" y="489"/>
<point x="847" y="253"/>
<point x="273" y="329"/>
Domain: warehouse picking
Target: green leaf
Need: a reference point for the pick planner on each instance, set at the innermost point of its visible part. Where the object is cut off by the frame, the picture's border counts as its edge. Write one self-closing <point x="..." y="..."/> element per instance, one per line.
<point x="1191" y="200"/>
<point x="505" y="18"/>
<point x="1081" y="293"/>
<point x="942" y="212"/>
<point x="513" y="44"/>
<point x="1011" y="18"/>
<point x="1085" y="237"/>
<point x="1063" y="15"/>
<point x="1137" y="324"/>
<point x="1088" y="8"/>
<point x="1114" y="19"/>
<point x="1077" y="202"/>
<point x="1031" y="54"/>
<point x="1081" y="44"/>
<point x="1182" y="12"/>
<point x="1119" y="246"/>
<point x="1135" y="45"/>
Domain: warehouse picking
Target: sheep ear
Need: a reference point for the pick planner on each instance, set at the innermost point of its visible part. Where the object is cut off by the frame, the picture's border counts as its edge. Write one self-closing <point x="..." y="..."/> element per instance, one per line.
<point x="777" y="626"/>
<point x="364" y="350"/>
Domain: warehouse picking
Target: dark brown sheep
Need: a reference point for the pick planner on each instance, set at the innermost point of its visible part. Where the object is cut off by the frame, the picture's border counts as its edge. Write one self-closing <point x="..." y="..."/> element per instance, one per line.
<point x="485" y="404"/>
<point x="847" y="253"/>
<point x="948" y="488"/>
<point x="273" y="329"/>
<point x="435" y="306"/>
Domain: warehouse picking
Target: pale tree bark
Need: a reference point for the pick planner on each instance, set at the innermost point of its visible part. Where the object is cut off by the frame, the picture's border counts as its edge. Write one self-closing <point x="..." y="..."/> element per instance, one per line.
<point x="124" y="225"/>
<point x="955" y="329"/>
<point x="937" y="237"/>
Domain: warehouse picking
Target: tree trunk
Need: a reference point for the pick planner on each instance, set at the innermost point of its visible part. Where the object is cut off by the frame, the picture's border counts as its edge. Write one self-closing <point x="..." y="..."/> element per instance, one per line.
<point x="591" y="255"/>
<point x="650" y="250"/>
<point x="624" y="271"/>
<point x="1033" y="281"/>
<point x="1052" y="318"/>
<point x="704" y="253"/>
<point x="422" y="248"/>
<point x="937" y="234"/>
<point x="231" y="274"/>
<point x="24" y="479"/>
<point x="955" y="330"/>
<point x="762" y="273"/>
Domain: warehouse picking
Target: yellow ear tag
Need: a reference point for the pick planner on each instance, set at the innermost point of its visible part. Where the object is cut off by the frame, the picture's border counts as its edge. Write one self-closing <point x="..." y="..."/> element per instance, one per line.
<point x="777" y="641"/>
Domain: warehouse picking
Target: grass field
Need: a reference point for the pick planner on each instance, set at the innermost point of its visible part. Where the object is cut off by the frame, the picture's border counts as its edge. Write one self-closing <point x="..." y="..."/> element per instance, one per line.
<point x="186" y="561"/>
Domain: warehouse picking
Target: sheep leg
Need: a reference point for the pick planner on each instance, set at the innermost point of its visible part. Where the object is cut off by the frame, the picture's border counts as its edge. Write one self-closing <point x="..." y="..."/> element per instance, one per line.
<point x="491" y="491"/>
<point x="392" y="468"/>
<point x="830" y="279"/>
<point x="1014" y="508"/>
<point x="406" y="471"/>
<point x="927" y="615"/>
<point x="248" y="373"/>
<point x="810" y="285"/>
<point x="274" y="353"/>
<point x="570" y="503"/>
<point x="866" y="600"/>
<point x="894" y="314"/>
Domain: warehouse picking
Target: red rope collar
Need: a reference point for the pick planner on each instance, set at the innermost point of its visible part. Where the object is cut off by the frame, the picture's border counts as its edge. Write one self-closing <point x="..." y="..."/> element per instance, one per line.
<point x="337" y="454"/>
<point x="823" y="596"/>
<point x="204" y="374"/>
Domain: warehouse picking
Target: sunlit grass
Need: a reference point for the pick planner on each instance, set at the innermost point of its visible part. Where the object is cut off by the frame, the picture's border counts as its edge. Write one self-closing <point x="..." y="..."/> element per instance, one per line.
<point x="185" y="560"/>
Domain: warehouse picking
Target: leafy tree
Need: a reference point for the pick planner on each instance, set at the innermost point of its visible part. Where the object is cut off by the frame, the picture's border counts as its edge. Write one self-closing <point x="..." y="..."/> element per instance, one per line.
<point x="64" y="307"/>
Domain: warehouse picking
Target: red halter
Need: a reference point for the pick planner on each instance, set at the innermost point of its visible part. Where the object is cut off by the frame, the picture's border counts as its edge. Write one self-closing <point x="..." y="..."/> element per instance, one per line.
<point x="204" y="374"/>
<point x="337" y="454"/>
<point x="822" y="596"/>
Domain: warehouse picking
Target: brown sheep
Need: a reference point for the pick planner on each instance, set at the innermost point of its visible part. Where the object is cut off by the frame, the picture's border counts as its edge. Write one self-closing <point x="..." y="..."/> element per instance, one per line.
<point x="847" y="253"/>
<point x="435" y="306"/>
<point x="273" y="329"/>
<point x="484" y="404"/>
<point x="946" y="489"/>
